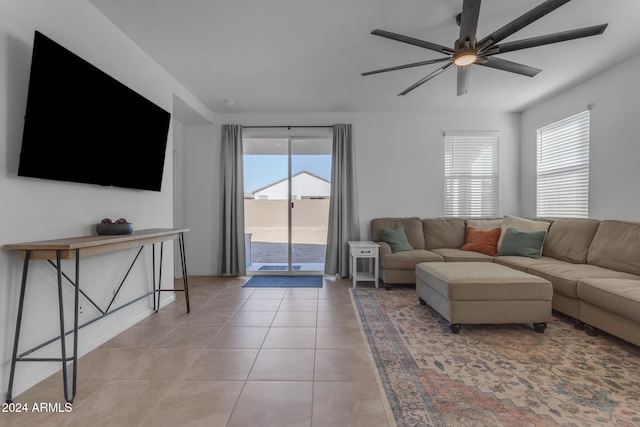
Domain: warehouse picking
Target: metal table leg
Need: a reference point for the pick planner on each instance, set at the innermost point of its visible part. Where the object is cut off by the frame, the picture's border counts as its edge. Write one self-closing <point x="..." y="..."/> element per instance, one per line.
<point x="158" y="289"/>
<point x="16" y="339"/>
<point x="183" y="261"/>
<point x="69" y="386"/>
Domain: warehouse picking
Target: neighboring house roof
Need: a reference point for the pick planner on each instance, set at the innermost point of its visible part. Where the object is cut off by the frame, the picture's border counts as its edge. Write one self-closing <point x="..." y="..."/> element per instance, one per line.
<point x="292" y="176"/>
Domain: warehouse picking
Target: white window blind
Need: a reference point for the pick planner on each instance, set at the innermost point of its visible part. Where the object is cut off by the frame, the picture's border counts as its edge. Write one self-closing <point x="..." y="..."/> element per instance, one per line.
<point x="471" y="175"/>
<point x="563" y="168"/>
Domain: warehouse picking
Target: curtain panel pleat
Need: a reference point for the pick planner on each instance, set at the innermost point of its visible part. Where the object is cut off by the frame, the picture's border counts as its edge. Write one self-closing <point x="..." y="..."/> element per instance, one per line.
<point x="232" y="251"/>
<point x="344" y="223"/>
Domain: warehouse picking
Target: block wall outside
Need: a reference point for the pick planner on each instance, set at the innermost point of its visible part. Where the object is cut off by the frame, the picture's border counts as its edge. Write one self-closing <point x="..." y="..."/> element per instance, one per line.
<point x="267" y="220"/>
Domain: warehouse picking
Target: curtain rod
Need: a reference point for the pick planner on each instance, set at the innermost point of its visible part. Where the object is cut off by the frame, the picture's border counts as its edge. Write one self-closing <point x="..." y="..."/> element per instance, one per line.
<point x="288" y="127"/>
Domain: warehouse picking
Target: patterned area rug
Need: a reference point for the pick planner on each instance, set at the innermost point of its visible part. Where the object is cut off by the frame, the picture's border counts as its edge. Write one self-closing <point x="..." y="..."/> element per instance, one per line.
<point x="496" y="375"/>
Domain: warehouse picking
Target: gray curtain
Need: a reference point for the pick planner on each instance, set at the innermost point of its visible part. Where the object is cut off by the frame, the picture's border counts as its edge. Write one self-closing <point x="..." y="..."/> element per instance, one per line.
<point x="232" y="251"/>
<point x="344" y="224"/>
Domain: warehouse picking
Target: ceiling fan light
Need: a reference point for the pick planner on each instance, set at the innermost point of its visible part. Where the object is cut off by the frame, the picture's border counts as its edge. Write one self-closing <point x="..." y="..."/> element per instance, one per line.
<point x="465" y="58"/>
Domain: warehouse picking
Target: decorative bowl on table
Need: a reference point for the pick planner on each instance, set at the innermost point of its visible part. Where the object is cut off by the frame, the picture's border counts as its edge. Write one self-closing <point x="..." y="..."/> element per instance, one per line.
<point x="108" y="228"/>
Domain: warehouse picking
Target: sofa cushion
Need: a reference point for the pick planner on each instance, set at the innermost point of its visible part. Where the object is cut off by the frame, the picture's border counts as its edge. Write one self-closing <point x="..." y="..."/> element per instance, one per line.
<point x="407" y="260"/>
<point x="569" y="239"/>
<point x="616" y="245"/>
<point x="412" y="228"/>
<point x="565" y="275"/>
<point x="521" y="224"/>
<point x="396" y="239"/>
<point x="521" y="243"/>
<point x="455" y="255"/>
<point x="619" y="296"/>
<point x="523" y="263"/>
<point x="483" y="241"/>
<point x="443" y="232"/>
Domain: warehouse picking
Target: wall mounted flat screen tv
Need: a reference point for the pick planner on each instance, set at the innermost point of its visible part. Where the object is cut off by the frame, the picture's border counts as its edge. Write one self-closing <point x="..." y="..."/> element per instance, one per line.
<point x="81" y="125"/>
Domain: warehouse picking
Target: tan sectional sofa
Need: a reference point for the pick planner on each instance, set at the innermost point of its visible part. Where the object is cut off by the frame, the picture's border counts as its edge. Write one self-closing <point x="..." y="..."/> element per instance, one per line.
<point x="593" y="265"/>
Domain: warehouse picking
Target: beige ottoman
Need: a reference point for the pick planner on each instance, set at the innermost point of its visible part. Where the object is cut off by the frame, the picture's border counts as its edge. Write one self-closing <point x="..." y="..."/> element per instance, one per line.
<point x="478" y="292"/>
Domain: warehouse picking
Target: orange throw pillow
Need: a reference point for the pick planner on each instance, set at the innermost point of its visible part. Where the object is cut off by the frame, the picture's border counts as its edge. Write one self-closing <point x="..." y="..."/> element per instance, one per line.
<point x="483" y="241"/>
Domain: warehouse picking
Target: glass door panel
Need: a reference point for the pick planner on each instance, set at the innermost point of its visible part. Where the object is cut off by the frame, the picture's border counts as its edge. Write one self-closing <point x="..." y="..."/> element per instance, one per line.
<point x="310" y="197"/>
<point x="266" y="204"/>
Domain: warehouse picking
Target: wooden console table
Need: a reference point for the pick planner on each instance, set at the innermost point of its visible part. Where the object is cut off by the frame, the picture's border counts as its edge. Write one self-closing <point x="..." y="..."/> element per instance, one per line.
<point x="54" y="251"/>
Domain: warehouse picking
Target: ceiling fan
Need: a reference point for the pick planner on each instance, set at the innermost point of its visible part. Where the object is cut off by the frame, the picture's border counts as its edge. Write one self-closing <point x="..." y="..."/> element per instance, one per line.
<point x="468" y="51"/>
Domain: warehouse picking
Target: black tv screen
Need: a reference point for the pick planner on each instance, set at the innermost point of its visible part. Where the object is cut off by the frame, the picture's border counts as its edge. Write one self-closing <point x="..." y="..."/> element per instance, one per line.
<point x="81" y="125"/>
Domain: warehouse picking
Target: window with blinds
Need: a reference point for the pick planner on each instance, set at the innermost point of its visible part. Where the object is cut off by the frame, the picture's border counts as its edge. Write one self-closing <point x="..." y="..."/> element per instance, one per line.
<point x="563" y="168"/>
<point x="471" y="175"/>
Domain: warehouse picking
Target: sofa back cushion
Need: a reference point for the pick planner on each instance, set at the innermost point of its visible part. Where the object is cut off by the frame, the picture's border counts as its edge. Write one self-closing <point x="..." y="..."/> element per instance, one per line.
<point x="569" y="239"/>
<point x="442" y="233"/>
<point x="485" y="224"/>
<point x="616" y="246"/>
<point x="412" y="228"/>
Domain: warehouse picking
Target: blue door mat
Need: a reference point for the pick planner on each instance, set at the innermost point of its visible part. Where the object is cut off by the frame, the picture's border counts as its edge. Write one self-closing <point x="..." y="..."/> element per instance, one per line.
<point x="284" y="282"/>
<point x="278" y="267"/>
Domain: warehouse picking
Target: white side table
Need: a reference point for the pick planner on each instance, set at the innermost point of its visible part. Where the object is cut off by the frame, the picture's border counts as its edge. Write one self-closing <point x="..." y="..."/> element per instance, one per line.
<point x="363" y="250"/>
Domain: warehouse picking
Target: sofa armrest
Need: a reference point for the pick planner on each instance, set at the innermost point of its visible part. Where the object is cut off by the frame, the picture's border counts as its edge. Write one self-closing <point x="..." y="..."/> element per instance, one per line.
<point x="385" y="249"/>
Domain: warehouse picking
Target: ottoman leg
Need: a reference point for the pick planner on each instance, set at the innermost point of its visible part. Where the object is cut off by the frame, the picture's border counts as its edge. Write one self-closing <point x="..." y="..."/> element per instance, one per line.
<point x="590" y="330"/>
<point x="455" y="327"/>
<point x="421" y="301"/>
<point x="539" y="327"/>
<point x="577" y="324"/>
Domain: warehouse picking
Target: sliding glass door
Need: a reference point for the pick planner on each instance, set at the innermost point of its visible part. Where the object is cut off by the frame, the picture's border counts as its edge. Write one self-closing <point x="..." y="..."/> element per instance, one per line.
<point x="287" y="194"/>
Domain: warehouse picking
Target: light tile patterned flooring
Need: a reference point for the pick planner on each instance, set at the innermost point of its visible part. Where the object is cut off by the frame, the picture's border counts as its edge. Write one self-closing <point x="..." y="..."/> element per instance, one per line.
<point x="242" y="357"/>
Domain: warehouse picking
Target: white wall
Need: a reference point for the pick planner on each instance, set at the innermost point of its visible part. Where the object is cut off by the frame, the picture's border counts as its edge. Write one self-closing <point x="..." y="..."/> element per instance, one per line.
<point x="33" y="209"/>
<point x="178" y="174"/>
<point x="202" y="195"/>
<point x="614" y="142"/>
<point x="399" y="167"/>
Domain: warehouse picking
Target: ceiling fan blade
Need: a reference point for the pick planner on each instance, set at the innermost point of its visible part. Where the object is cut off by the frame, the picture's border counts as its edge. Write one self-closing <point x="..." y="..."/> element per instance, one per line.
<point x="469" y="22"/>
<point x="521" y="22"/>
<point x="463" y="79"/>
<point x="513" y="67"/>
<point x="412" y="41"/>
<point x="426" y="79"/>
<point x="546" y="39"/>
<point x="401" y="67"/>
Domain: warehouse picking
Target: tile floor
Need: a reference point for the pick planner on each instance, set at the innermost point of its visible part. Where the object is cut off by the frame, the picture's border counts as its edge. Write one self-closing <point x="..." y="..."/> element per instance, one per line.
<point x="242" y="357"/>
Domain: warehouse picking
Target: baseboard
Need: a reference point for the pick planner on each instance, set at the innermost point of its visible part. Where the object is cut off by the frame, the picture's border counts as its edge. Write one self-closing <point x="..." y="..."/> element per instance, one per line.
<point x="204" y="273"/>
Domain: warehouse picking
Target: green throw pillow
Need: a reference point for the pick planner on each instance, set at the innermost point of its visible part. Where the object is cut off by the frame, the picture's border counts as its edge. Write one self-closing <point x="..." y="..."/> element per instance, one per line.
<point x="396" y="238"/>
<point x="520" y="243"/>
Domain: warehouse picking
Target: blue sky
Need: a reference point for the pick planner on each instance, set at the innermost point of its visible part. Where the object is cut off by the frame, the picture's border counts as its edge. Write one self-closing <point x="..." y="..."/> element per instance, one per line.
<point x="261" y="170"/>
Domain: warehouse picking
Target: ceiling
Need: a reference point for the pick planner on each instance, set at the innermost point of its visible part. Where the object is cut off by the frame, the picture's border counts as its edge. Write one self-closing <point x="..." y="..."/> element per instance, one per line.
<point x="306" y="56"/>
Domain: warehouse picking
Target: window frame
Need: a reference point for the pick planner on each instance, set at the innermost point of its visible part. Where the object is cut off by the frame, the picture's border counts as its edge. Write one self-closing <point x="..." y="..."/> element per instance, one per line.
<point x="463" y="203"/>
<point x="562" y="167"/>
